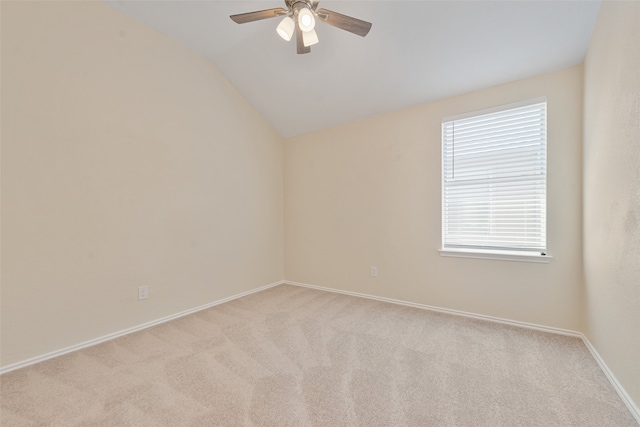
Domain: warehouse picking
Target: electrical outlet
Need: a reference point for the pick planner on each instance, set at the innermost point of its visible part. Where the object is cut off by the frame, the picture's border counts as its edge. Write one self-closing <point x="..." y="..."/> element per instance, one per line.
<point x="374" y="271"/>
<point x="143" y="292"/>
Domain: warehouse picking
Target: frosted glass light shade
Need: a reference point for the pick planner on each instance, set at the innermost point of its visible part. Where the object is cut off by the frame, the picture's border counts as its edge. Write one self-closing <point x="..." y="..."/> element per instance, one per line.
<point x="309" y="38"/>
<point x="306" y="21"/>
<point x="286" y="27"/>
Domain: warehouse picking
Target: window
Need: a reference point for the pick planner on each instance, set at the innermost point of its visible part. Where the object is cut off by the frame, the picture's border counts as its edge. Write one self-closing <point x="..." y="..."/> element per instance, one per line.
<point x="494" y="182"/>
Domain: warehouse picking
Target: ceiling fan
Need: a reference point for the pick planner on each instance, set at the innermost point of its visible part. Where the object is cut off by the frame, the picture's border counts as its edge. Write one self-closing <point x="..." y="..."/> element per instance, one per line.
<point x="300" y="18"/>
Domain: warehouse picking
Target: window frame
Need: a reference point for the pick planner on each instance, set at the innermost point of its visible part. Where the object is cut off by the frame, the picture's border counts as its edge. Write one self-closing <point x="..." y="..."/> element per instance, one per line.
<point x="470" y="251"/>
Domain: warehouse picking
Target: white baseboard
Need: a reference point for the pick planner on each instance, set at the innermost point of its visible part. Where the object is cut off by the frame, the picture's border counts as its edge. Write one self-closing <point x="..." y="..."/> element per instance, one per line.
<point x="630" y="404"/>
<point x="445" y="310"/>
<point x="633" y="408"/>
<point x="85" y="344"/>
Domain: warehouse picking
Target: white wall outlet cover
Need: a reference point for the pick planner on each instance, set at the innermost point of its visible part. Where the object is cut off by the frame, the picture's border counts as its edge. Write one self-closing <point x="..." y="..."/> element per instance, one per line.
<point x="143" y="292"/>
<point x="374" y="271"/>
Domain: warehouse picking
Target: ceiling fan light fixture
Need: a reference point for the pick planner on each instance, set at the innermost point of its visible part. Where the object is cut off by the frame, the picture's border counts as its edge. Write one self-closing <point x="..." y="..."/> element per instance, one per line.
<point x="299" y="20"/>
<point x="306" y="21"/>
<point x="309" y="38"/>
<point x="286" y="28"/>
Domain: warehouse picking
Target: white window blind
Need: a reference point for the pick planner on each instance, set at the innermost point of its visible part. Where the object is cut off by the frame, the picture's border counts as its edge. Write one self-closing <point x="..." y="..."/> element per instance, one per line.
<point x="494" y="180"/>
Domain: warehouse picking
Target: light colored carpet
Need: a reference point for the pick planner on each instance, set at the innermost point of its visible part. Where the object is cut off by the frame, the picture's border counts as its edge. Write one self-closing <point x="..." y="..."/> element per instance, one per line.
<point x="292" y="356"/>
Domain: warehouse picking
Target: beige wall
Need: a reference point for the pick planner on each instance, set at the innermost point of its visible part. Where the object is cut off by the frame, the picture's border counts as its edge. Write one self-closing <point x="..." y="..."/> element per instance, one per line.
<point x="368" y="193"/>
<point x="612" y="191"/>
<point x="127" y="160"/>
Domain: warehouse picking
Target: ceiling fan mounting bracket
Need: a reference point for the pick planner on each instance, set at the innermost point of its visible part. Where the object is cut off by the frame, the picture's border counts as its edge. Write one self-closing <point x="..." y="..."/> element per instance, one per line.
<point x="311" y="4"/>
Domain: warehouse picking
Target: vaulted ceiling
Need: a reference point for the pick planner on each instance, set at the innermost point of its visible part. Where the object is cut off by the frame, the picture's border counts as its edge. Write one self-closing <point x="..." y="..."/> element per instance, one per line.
<point x="416" y="52"/>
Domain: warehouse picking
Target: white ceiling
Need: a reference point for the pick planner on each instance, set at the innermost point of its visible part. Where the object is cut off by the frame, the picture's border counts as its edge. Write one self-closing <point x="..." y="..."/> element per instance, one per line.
<point x="416" y="52"/>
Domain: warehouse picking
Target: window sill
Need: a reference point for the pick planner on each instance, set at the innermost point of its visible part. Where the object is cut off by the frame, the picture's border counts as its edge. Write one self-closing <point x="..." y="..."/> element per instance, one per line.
<point x="497" y="255"/>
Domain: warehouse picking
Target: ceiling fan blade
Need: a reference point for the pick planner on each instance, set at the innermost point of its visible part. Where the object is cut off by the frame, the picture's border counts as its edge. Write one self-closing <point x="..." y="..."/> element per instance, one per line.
<point x="300" y="42"/>
<point x="353" y="25"/>
<point x="242" y="18"/>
